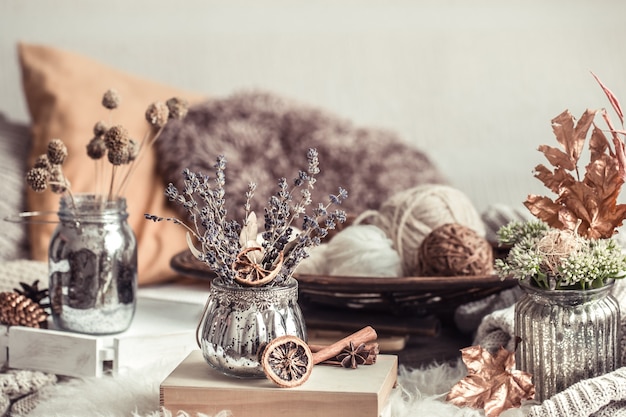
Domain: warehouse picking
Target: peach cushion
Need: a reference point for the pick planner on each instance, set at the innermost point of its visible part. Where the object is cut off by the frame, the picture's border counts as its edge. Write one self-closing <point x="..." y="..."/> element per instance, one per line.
<point x="63" y="91"/>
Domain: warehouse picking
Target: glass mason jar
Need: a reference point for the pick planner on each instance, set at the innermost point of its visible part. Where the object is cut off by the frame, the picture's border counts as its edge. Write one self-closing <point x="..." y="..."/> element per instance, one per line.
<point x="239" y="321"/>
<point x="566" y="336"/>
<point x="92" y="266"/>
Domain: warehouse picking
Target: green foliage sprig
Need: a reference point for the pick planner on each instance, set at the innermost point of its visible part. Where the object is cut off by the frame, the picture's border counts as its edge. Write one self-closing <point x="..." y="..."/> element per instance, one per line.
<point x="557" y="259"/>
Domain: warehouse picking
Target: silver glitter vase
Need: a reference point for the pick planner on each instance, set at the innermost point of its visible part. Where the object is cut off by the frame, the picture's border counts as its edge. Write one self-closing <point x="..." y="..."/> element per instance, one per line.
<point x="239" y="321"/>
<point x="92" y="261"/>
<point x="566" y="336"/>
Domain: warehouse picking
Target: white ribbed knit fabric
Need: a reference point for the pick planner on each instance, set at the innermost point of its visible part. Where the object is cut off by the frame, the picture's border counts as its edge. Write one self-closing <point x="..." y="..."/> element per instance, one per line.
<point x="19" y="388"/>
<point x="602" y="396"/>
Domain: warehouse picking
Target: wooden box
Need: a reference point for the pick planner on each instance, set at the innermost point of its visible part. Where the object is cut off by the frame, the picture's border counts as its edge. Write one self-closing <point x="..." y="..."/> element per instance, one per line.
<point x="330" y="391"/>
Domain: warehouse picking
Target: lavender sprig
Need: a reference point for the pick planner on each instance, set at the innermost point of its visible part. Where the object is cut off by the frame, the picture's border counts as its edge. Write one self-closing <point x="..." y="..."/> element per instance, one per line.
<point x="219" y="238"/>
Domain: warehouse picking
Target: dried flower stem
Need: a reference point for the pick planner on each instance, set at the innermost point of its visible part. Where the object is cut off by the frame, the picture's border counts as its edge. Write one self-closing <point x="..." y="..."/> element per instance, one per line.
<point x="134" y="163"/>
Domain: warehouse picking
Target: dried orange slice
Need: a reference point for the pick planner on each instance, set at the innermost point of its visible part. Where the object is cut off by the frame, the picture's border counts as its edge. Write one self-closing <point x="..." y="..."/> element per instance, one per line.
<point x="287" y="361"/>
<point x="250" y="273"/>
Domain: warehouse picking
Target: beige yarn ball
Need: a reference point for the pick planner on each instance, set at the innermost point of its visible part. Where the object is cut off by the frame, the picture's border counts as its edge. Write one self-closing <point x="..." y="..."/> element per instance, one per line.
<point x="409" y="216"/>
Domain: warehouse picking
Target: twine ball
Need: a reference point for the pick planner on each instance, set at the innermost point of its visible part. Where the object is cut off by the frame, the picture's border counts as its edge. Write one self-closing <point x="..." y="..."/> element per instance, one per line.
<point x="409" y="216"/>
<point x="453" y="250"/>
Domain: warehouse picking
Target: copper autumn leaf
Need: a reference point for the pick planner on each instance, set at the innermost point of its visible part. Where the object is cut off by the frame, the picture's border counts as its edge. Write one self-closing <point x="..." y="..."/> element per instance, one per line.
<point x="491" y="382"/>
<point x="588" y="206"/>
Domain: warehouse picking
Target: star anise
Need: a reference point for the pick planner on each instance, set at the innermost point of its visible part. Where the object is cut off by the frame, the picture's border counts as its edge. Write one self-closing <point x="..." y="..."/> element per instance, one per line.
<point x="352" y="357"/>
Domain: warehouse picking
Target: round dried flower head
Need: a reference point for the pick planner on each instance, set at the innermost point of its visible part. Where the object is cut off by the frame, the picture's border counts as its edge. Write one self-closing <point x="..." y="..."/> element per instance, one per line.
<point x="178" y="108"/>
<point x="42" y="161"/>
<point x="111" y="99"/>
<point x="37" y="179"/>
<point x="118" y="156"/>
<point x="116" y="138"/>
<point x="57" y="152"/>
<point x="96" y="148"/>
<point x="58" y="183"/>
<point x="100" y="128"/>
<point x="157" y="114"/>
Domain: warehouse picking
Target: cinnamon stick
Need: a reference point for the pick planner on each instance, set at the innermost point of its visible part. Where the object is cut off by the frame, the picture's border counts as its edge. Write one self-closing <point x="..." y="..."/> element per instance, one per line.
<point x="365" y="335"/>
<point x="372" y="349"/>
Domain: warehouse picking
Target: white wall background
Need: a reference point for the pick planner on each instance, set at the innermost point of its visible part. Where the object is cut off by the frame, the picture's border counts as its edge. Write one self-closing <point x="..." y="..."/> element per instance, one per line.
<point x="472" y="82"/>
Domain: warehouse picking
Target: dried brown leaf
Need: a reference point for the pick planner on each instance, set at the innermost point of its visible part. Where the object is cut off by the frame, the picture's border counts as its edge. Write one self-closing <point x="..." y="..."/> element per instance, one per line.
<point x="492" y="383"/>
<point x="563" y="128"/>
<point x="580" y="132"/>
<point x="598" y="143"/>
<point x="557" y="157"/>
<point x="587" y="206"/>
<point x="545" y="210"/>
<point x="553" y="180"/>
<point x="572" y="136"/>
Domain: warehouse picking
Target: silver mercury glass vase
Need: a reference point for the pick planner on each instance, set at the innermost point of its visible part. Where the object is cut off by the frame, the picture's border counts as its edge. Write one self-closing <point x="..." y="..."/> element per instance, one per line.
<point x="239" y="321"/>
<point x="566" y="336"/>
<point x="92" y="261"/>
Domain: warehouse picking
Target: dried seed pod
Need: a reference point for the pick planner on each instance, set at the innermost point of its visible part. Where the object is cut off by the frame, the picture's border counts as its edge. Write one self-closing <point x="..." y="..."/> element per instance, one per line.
<point x="42" y="161"/>
<point x="287" y="361"/>
<point x="57" y="152"/>
<point x="157" y="114"/>
<point x="178" y="108"/>
<point x="116" y="138"/>
<point x="96" y="148"/>
<point x="118" y="156"/>
<point x="100" y="128"/>
<point x="111" y="99"/>
<point x="37" y="179"/>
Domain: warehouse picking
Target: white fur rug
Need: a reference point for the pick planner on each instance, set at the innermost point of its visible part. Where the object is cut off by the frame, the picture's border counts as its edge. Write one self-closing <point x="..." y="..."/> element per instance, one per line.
<point x="420" y="392"/>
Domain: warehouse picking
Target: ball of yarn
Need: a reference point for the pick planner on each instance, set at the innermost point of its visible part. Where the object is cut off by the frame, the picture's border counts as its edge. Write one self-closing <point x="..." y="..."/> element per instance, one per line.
<point x="362" y="251"/>
<point x="315" y="263"/>
<point x="409" y="216"/>
<point x="452" y="250"/>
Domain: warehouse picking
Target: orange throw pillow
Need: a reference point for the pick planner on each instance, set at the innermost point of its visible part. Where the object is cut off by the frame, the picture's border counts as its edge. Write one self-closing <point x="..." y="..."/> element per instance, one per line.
<point x="64" y="91"/>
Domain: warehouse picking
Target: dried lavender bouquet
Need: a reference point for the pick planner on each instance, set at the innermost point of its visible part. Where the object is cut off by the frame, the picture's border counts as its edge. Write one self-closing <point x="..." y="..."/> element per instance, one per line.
<point x="236" y="251"/>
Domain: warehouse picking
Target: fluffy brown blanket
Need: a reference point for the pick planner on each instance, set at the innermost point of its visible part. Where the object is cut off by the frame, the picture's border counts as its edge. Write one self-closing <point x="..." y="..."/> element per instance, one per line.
<point x="265" y="137"/>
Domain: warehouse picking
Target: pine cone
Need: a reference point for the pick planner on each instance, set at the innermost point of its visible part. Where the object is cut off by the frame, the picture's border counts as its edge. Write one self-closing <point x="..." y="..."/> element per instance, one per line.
<point x="19" y="310"/>
<point x="33" y="292"/>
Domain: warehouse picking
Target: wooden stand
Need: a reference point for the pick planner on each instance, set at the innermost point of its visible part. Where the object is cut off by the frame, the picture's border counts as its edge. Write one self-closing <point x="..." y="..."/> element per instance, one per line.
<point x="160" y="329"/>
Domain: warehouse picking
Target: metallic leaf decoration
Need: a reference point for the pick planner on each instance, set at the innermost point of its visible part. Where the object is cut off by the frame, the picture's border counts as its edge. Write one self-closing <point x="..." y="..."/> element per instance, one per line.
<point x="492" y="383"/>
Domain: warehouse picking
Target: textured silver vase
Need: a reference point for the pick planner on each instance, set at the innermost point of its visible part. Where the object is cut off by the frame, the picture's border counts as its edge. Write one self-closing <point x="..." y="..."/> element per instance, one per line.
<point x="566" y="336"/>
<point x="239" y="321"/>
<point x="92" y="261"/>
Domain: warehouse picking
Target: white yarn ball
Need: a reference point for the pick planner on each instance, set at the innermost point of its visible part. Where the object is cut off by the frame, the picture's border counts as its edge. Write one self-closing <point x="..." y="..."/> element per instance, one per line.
<point x="315" y="263"/>
<point x="362" y="251"/>
<point x="409" y="216"/>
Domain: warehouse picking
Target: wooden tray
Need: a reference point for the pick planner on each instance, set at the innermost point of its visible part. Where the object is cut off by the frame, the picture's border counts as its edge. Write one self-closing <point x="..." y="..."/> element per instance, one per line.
<point x="418" y="295"/>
